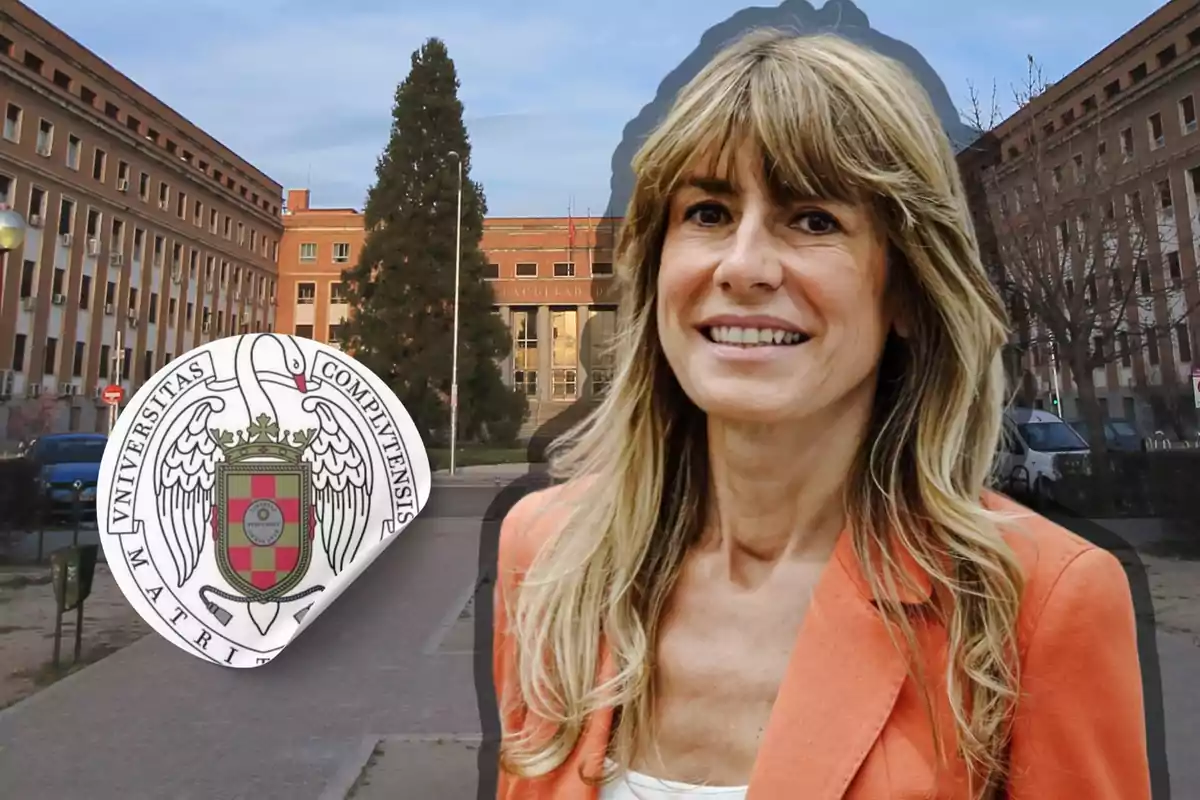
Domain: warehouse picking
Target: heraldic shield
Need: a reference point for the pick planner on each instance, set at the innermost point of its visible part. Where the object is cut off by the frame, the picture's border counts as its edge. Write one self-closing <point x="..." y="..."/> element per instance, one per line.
<point x="264" y="520"/>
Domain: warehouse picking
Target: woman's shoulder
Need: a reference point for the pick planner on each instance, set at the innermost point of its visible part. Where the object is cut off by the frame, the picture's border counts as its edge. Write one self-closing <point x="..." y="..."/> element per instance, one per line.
<point x="533" y="520"/>
<point x="1065" y="574"/>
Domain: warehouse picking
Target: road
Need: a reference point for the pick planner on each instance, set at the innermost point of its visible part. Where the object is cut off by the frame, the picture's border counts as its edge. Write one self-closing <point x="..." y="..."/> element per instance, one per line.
<point x="151" y="723"/>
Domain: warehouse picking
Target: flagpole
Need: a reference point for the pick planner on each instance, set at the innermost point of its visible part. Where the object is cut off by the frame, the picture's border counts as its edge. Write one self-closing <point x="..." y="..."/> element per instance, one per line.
<point x="589" y="240"/>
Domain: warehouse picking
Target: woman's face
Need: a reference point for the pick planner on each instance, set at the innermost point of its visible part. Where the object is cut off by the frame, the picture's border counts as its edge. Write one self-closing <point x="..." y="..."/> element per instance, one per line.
<point x="770" y="312"/>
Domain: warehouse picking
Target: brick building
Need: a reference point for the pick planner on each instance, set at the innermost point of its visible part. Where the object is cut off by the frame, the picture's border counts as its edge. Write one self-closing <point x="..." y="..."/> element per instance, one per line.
<point x="1120" y="132"/>
<point x="146" y="236"/>
<point x="552" y="279"/>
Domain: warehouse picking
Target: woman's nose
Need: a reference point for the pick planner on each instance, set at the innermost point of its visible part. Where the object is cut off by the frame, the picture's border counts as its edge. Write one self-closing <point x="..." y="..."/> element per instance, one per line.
<point x="751" y="264"/>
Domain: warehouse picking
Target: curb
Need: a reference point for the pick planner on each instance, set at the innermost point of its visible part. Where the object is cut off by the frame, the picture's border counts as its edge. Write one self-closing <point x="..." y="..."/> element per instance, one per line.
<point x="354" y="766"/>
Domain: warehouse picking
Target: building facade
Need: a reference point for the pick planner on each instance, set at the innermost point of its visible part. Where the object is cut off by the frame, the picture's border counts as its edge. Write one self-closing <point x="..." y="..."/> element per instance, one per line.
<point x="1106" y="161"/>
<point x="146" y="236"/>
<point x="552" y="280"/>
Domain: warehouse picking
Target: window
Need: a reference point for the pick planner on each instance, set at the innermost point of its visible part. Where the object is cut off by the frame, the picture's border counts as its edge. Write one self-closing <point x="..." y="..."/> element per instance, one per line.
<point x="152" y="135"/>
<point x="212" y="221"/>
<point x="110" y="294"/>
<point x="602" y="268"/>
<point x="28" y="274"/>
<point x="306" y="294"/>
<point x="1123" y="344"/>
<point x="133" y="300"/>
<point x="525" y="356"/>
<point x="335" y="293"/>
<point x="181" y="205"/>
<point x="1166" y="55"/>
<point x="160" y="245"/>
<point x="172" y="307"/>
<point x="228" y="227"/>
<point x="1187" y="115"/>
<point x="62" y="80"/>
<point x="564" y="270"/>
<point x="190" y="313"/>
<point x="139" y="244"/>
<point x="148" y="365"/>
<point x="18" y="362"/>
<point x="1138" y="73"/>
<point x="341" y="252"/>
<point x="1164" y="195"/>
<point x="45" y="137"/>
<point x="164" y="195"/>
<point x="1112" y="89"/>
<point x="601" y="330"/>
<point x="153" y="318"/>
<point x="305" y="331"/>
<point x="93" y="223"/>
<point x="66" y="216"/>
<point x="1089" y="104"/>
<point x="527" y="270"/>
<point x="241" y="234"/>
<point x="144" y="187"/>
<point x="1155" y="125"/>
<point x="1077" y="164"/>
<point x="51" y="356"/>
<point x="198" y="214"/>
<point x="491" y="272"/>
<point x="37" y="202"/>
<point x="87" y="96"/>
<point x="77" y="361"/>
<point x="12" y="123"/>
<point x="105" y="355"/>
<point x="99" y="161"/>
<point x="85" y="292"/>
<point x="1143" y="270"/>
<point x="33" y="62"/>
<point x="193" y="262"/>
<point x="1068" y="116"/>
<point x="1056" y="178"/>
<point x="335" y="334"/>
<point x="1152" y="345"/>
<point x="57" y="280"/>
<point x="1127" y="143"/>
<point x="74" y="148"/>
<point x="6" y="187"/>
<point x="118" y="235"/>
<point x="1184" y="339"/>
<point x="1173" y="270"/>
<point x="126" y="362"/>
<point x="308" y="251"/>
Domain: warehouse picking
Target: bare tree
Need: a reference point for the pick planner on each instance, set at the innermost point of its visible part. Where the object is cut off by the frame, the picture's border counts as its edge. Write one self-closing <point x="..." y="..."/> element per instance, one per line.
<point x="1071" y="238"/>
<point x="33" y="418"/>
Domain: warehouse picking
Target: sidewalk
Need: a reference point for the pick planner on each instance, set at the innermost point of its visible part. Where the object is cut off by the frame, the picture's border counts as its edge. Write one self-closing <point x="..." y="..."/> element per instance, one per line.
<point x="488" y="474"/>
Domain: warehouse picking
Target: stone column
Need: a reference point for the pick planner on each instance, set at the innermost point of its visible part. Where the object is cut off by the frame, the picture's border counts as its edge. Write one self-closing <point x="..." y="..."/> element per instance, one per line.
<point x="545" y="345"/>
<point x="506" y="364"/>
<point x="583" y="358"/>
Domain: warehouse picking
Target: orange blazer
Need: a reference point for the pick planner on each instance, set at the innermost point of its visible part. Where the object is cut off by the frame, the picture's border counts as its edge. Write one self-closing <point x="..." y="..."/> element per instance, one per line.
<point x="849" y="722"/>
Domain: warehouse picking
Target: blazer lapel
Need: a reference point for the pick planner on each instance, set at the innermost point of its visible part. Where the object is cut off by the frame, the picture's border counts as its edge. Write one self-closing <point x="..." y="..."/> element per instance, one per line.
<point x="842" y="681"/>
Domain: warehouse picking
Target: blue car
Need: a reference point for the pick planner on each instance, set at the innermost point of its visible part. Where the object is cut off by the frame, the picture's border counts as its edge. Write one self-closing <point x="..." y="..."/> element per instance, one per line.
<point x="64" y="459"/>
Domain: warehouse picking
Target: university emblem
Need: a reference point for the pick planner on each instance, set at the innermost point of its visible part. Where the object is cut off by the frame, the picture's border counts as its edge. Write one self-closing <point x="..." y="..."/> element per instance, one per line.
<point x="234" y="507"/>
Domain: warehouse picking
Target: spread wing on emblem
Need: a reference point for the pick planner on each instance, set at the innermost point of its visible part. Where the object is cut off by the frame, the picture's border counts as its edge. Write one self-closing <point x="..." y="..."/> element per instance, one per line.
<point x="341" y="475"/>
<point x="186" y="476"/>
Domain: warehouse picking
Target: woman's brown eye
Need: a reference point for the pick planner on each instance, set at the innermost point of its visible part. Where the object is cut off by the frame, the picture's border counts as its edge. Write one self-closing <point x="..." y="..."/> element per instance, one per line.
<point x="706" y="214"/>
<point x="817" y="222"/>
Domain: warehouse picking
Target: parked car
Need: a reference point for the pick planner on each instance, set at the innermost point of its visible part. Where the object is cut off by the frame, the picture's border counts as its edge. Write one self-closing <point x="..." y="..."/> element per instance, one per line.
<point x="1031" y="451"/>
<point x="1119" y="435"/>
<point x="65" y="459"/>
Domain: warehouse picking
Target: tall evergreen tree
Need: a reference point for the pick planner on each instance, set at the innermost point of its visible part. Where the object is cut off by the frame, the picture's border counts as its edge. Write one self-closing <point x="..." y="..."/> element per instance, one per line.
<point x="402" y="288"/>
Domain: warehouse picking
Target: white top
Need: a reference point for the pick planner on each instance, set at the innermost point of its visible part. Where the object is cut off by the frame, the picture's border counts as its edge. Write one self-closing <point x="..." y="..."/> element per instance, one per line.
<point x="636" y="786"/>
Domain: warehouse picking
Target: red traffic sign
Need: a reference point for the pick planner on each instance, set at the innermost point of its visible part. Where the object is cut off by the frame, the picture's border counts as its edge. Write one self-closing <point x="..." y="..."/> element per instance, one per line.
<point x="112" y="394"/>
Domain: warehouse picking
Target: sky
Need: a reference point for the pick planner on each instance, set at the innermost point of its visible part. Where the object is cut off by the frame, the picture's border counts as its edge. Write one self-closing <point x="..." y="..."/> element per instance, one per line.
<point x="303" y="89"/>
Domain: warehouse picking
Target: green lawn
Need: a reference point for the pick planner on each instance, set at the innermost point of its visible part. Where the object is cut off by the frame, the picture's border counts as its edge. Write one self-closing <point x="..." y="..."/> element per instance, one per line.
<point x="472" y="455"/>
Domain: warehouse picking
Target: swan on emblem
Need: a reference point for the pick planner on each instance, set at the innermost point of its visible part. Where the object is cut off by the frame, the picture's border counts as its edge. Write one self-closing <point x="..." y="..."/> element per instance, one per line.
<point x="341" y="472"/>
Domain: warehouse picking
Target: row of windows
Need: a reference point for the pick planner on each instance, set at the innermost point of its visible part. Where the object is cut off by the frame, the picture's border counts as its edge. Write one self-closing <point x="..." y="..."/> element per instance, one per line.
<point x="1113" y="89"/>
<point x="561" y="269"/>
<point x="1177" y="342"/>
<point x="218" y="224"/>
<point x="256" y="284"/>
<point x="65" y="82"/>
<point x="306" y="293"/>
<point x="341" y="252"/>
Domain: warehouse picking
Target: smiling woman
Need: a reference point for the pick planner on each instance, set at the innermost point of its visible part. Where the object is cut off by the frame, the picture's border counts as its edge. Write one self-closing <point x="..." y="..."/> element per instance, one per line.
<point x="774" y="569"/>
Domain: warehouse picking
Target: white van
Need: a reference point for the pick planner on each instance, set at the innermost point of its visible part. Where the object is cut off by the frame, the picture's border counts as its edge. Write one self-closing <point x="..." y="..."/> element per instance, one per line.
<point x="1033" y="440"/>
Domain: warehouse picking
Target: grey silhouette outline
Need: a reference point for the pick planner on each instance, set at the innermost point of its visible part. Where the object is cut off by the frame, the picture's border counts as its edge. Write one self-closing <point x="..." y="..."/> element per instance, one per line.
<point x="846" y="19"/>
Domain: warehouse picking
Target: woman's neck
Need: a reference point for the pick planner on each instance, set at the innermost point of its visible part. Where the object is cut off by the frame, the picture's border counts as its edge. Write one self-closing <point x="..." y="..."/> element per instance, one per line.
<point x="778" y="490"/>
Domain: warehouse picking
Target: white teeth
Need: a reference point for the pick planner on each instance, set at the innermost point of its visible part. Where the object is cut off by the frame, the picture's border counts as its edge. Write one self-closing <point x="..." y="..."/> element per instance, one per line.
<point x="724" y="334"/>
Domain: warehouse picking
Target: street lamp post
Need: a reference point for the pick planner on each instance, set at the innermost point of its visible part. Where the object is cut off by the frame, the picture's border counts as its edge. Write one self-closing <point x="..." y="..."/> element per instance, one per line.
<point x="454" y="356"/>
<point x="12" y="236"/>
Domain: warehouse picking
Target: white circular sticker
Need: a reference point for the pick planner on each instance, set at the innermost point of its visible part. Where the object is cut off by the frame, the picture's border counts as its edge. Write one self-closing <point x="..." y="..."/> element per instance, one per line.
<point x="247" y="484"/>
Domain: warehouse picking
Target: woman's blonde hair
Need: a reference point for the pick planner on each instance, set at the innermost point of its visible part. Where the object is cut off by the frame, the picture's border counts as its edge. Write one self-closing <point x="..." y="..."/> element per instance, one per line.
<point x="837" y="121"/>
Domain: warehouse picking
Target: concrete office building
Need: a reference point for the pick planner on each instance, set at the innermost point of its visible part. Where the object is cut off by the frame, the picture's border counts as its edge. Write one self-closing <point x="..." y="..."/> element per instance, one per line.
<point x="552" y="279"/>
<point x="1125" y="124"/>
<point x="146" y="236"/>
